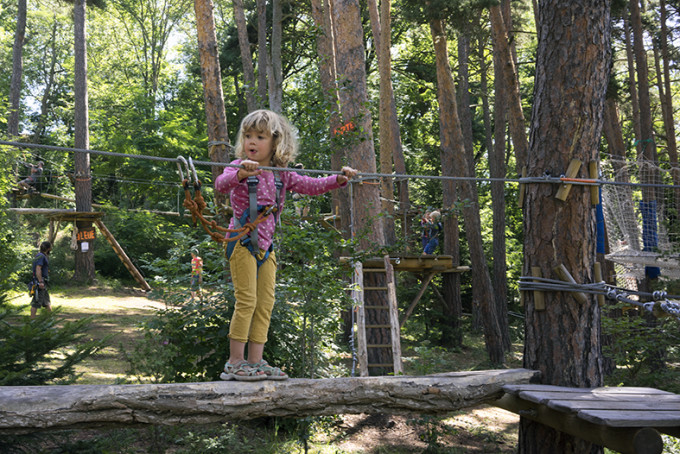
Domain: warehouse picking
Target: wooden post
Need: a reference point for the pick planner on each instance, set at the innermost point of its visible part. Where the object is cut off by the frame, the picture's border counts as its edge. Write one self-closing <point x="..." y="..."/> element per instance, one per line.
<point x="598" y="277"/>
<point x="594" y="190"/>
<point x="407" y="314"/>
<point x="565" y="276"/>
<point x="123" y="256"/>
<point x="358" y="298"/>
<point x="572" y="171"/>
<point x="522" y="189"/>
<point x="395" y="332"/>
<point x="539" y="297"/>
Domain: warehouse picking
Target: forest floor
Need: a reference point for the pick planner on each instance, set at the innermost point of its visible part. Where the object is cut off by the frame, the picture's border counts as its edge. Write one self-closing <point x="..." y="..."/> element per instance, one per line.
<point x="484" y="429"/>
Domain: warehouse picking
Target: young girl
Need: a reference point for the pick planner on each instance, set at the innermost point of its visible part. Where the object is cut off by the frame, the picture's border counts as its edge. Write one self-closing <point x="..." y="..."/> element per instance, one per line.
<point x="264" y="139"/>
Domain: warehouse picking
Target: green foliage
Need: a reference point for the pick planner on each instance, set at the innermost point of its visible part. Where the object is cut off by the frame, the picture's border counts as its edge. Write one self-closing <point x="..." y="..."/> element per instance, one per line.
<point x="28" y="346"/>
<point x="646" y="354"/>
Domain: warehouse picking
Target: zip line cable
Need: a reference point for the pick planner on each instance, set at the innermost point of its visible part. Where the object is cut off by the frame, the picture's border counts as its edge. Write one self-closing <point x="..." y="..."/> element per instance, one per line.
<point x="363" y="175"/>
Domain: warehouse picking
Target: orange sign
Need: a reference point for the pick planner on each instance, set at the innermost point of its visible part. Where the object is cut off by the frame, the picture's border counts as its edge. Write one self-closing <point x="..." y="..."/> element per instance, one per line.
<point x="344" y="128"/>
<point x="86" y="234"/>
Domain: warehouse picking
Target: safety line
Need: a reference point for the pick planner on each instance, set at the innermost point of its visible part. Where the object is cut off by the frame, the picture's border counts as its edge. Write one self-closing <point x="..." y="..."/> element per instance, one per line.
<point x="363" y="175"/>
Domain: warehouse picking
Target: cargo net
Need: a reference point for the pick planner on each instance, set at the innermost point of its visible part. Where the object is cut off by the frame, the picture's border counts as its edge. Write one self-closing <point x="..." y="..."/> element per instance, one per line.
<point x="640" y="210"/>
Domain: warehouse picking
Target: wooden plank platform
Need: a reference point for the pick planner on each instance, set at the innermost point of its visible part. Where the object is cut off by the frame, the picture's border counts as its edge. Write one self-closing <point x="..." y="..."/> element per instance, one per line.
<point x="414" y="263"/>
<point x="626" y="419"/>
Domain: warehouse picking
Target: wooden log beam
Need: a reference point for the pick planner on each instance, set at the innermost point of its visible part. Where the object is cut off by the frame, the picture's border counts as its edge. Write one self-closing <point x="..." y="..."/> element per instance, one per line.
<point x="26" y="409"/>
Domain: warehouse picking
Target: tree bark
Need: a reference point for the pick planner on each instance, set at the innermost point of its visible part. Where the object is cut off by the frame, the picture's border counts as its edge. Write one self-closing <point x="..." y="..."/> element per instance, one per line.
<point x="451" y="147"/>
<point x="250" y="87"/>
<point x="211" y="75"/>
<point x="498" y="169"/>
<point x="27" y="409"/>
<point x="17" y="70"/>
<point x="572" y="70"/>
<point x="49" y="82"/>
<point x="263" y="68"/>
<point x="276" y="67"/>
<point x="632" y="84"/>
<point x="84" y="261"/>
<point x="357" y="138"/>
<point x="516" y="114"/>
<point x="390" y="139"/>
<point x="667" y="101"/>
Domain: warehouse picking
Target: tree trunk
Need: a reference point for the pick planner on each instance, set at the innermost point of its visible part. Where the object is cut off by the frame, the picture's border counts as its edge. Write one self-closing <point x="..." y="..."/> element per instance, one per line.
<point x="262" y="53"/>
<point x="358" y="140"/>
<point x="246" y="56"/>
<point x="323" y="19"/>
<point x="563" y="341"/>
<point x="211" y="75"/>
<point x="276" y="77"/>
<point x="389" y="128"/>
<point x="452" y="149"/>
<point x="28" y="409"/>
<point x="49" y="82"/>
<point x="632" y="84"/>
<point x="669" y="118"/>
<point x="516" y="114"/>
<point x="498" y="169"/>
<point x="84" y="260"/>
<point x="17" y="71"/>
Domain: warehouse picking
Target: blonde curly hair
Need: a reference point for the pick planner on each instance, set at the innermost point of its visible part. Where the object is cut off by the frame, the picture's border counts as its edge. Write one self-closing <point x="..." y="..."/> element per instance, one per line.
<point x="268" y="122"/>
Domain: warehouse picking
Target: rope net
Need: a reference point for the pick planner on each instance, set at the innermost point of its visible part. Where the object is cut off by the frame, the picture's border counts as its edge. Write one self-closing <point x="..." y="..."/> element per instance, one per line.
<point x="641" y="218"/>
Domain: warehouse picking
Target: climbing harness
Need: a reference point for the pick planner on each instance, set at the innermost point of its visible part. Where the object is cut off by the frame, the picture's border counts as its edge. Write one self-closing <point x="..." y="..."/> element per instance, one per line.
<point x="251" y="241"/>
<point x="245" y="229"/>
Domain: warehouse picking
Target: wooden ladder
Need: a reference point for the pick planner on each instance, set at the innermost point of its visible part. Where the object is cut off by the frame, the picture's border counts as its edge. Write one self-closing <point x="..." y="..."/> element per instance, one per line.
<point x="363" y="330"/>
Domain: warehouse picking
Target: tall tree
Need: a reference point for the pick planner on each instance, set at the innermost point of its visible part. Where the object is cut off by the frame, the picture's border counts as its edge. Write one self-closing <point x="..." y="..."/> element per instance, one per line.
<point x="351" y="70"/>
<point x="510" y="77"/>
<point x="84" y="261"/>
<point x="213" y="96"/>
<point x="563" y="341"/>
<point x="246" y="56"/>
<point x="498" y="169"/>
<point x="275" y="70"/>
<point x="153" y="22"/>
<point x="17" y="70"/>
<point x="452" y="149"/>
<point x="391" y="151"/>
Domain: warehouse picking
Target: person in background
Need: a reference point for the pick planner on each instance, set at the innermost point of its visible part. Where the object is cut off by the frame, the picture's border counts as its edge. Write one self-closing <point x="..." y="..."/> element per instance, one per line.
<point x="41" y="266"/>
<point x="431" y="227"/>
<point x="28" y="184"/>
<point x="196" y="273"/>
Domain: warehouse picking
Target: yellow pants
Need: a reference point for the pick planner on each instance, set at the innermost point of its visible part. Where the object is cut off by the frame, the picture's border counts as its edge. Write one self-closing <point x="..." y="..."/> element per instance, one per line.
<point x="254" y="291"/>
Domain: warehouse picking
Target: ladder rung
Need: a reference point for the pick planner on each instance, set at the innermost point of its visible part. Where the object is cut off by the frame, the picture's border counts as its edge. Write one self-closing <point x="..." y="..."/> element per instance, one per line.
<point x="375" y="288"/>
<point x="379" y="346"/>
<point x="381" y="365"/>
<point x="378" y="326"/>
<point x="376" y="307"/>
<point x="374" y="270"/>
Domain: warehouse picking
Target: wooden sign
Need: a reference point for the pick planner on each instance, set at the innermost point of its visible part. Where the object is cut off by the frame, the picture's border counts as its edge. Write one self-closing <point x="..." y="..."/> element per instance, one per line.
<point x="86" y="234"/>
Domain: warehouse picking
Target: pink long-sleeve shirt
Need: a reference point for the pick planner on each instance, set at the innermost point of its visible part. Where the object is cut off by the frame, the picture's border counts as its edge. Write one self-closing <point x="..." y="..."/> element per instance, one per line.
<point x="228" y="182"/>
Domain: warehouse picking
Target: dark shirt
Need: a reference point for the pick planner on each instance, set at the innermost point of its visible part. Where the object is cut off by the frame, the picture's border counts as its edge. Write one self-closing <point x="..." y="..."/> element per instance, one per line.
<point x="41" y="260"/>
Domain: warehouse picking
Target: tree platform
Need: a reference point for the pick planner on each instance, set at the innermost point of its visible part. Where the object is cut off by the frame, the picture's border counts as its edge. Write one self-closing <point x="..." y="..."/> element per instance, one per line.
<point x="414" y="263"/>
<point x="624" y="419"/>
<point x="25" y="409"/>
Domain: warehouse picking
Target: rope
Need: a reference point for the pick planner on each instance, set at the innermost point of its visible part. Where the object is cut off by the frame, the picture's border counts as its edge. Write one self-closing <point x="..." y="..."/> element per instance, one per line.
<point x="360" y="175"/>
<point x="196" y="207"/>
<point x="659" y="298"/>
